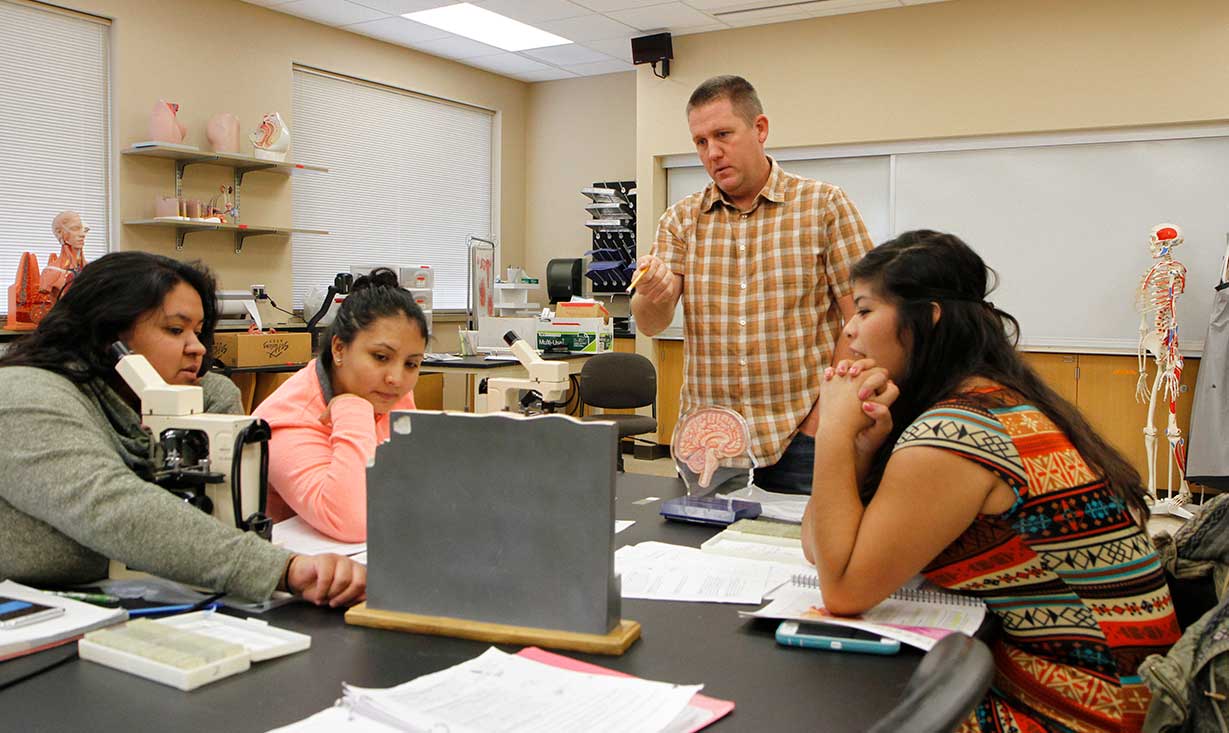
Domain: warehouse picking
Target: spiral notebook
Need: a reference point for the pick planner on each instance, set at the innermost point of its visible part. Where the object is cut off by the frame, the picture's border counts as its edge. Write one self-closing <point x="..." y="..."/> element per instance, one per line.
<point x="916" y="617"/>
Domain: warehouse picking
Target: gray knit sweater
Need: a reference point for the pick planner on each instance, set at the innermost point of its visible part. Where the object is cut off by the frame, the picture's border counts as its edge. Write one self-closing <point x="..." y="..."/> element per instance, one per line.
<point x="70" y="497"/>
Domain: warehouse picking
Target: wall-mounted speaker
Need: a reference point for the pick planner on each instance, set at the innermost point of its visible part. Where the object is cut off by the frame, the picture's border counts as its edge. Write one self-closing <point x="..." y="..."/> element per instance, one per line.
<point x="651" y="49"/>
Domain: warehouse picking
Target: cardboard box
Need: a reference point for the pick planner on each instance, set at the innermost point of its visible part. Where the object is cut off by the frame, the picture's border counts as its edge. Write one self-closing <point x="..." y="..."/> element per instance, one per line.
<point x="573" y="311"/>
<point x="582" y="335"/>
<point x="262" y="349"/>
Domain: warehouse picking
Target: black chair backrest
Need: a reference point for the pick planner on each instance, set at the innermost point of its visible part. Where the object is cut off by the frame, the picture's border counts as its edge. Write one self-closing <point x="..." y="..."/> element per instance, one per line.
<point x="944" y="689"/>
<point x="616" y="380"/>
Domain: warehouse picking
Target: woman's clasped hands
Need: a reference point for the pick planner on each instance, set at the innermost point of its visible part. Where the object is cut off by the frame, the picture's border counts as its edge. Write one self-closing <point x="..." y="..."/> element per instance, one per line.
<point x="854" y="401"/>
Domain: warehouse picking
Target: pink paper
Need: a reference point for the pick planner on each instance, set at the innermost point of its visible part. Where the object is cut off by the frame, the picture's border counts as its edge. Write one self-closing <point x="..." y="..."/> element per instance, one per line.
<point x="715" y="708"/>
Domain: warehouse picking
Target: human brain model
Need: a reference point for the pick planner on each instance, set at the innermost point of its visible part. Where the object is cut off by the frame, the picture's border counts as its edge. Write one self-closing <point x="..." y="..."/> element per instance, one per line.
<point x="707" y="436"/>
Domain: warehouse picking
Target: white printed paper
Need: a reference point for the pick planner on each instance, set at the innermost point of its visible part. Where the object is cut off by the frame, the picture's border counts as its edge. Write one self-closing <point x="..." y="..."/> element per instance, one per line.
<point x="503" y="693"/>
<point x="664" y="572"/>
<point x="337" y="719"/>
<point x="298" y="536"/>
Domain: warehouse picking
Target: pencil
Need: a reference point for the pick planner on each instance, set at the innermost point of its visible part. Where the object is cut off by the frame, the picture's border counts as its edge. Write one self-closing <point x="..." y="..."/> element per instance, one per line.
<point x="635" y="279"/>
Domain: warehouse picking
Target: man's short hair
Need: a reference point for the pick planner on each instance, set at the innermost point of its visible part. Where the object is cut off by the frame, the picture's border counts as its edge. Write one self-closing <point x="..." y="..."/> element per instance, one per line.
<point x="742" y="96"/>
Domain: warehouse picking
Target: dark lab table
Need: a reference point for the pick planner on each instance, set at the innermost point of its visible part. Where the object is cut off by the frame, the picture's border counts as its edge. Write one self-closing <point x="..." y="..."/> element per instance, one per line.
<point x="774" y="688"/>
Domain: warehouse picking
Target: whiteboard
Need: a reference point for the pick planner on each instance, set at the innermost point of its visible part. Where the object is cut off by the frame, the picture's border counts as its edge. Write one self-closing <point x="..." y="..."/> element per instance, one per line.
<point x="867" y="181"/>
<point x="1067" y="226"/>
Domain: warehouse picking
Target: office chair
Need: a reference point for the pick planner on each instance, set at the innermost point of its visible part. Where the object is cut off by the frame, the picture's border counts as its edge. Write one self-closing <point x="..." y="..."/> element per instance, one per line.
<point x="616" y="380"/>
<point x="944" y="689"/>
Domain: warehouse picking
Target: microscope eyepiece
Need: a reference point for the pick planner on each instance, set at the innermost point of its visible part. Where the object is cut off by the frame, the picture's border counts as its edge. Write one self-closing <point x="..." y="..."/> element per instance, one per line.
<point x="118" y="350"/>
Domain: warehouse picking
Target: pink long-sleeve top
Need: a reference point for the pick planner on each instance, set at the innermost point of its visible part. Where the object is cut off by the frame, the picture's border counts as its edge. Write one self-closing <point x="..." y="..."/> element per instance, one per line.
<point x="319" y="471"/>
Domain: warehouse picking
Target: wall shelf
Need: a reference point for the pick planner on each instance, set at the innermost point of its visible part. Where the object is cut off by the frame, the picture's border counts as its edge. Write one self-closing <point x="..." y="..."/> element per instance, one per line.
<point x="242" y="231"/>
<point x="188" y="155"/>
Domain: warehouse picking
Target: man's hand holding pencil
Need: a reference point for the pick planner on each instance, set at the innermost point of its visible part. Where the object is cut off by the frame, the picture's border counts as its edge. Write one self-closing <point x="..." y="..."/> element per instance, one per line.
<point x="653" y="280"/>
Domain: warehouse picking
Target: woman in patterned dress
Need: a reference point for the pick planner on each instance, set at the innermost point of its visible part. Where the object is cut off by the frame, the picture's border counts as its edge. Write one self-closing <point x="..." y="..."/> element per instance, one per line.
<point x="940" y="451"/>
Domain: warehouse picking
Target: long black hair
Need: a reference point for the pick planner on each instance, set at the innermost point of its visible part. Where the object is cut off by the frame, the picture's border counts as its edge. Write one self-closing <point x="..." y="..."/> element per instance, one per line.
<point x="373" y="297"/>
<point x="106" y="299"/>
<point x="972" y="338"/>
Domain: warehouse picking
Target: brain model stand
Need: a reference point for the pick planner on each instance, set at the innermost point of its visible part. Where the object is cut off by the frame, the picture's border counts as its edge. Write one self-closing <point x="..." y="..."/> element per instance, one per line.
<point x="712" y="448"/>
<point x="711" y="445"/>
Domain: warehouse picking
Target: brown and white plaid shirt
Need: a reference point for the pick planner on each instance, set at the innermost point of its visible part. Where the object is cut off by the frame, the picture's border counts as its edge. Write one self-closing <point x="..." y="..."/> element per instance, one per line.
<point x="759" y="298"/>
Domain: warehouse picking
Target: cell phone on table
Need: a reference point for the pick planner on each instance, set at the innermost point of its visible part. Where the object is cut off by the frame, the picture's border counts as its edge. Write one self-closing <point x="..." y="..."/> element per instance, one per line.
<point x="15" y="612"/>
<point x="835" y="638"/>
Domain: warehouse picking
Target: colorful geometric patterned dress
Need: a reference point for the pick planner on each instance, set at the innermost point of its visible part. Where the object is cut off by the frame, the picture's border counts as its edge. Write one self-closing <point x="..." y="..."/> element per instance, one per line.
<point x="1075" y="582"/>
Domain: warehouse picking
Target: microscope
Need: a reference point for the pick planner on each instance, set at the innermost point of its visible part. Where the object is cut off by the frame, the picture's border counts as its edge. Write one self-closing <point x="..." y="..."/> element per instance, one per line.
<point x="544" y="390"/>
<point x="217" y="463"/>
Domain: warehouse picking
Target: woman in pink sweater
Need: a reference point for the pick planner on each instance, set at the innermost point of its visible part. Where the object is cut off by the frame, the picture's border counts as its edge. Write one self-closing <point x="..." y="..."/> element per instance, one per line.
<point x="328" y="418"/>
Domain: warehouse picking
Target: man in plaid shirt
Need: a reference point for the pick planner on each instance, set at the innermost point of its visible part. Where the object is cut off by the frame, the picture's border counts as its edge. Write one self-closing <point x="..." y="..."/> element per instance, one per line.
<point x="761" y="260"/>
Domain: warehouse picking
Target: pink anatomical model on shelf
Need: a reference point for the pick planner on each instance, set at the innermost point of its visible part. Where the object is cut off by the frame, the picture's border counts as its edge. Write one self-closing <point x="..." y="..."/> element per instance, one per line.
<point x="271" y="140"/>
<point x="223" y="132"/>
<point x="707" y="436"/>
<point x="163" y="126"/>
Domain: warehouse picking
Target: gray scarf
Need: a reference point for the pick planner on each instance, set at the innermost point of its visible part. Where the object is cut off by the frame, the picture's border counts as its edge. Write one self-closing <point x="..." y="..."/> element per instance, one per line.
<point x="140" y="452"/>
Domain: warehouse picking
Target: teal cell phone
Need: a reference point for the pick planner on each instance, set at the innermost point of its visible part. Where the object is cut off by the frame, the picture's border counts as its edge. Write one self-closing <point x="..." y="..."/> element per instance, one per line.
<point x="834" y="638"/>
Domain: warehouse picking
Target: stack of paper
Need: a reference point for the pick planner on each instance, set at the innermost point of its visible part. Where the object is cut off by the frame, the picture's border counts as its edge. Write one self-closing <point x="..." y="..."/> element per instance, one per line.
<point x="77" y="619"/>
<point x="664" y="572"/>
<point x="531" y="691"/>
<point x="914" y="617"/>
<point x="754" y="539"/>
<point x="298" y="536"/>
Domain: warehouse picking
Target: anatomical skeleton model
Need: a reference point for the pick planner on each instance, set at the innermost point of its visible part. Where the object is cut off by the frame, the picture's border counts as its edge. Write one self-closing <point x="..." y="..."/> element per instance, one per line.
<point x="1157" y="302"/>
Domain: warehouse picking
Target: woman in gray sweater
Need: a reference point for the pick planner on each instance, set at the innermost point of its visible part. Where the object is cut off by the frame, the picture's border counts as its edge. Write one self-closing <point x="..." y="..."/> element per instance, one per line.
<point x="75" y="489"/>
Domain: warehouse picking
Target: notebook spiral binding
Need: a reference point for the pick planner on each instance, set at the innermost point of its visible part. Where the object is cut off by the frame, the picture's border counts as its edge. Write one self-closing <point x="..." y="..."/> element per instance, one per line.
<point x="942" y="598"/>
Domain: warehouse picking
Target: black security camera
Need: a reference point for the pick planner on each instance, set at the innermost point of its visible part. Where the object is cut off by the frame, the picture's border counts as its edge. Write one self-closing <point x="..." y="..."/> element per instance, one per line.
<point x="651" y="49"/>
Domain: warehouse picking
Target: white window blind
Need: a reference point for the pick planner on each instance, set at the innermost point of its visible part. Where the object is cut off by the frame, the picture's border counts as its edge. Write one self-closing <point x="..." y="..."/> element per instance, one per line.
<point x="54" y="131"/>
<point x="410" y="178"/>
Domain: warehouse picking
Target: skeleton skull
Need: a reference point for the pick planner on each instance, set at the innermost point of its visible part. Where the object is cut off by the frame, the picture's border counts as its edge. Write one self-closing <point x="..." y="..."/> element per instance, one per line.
<point x="1163" y="238"/>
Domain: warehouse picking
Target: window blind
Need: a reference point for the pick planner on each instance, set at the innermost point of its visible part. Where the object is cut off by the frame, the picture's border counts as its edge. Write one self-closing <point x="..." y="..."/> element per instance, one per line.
<point x="54" y="131"/>
<point x="410" y="178"/>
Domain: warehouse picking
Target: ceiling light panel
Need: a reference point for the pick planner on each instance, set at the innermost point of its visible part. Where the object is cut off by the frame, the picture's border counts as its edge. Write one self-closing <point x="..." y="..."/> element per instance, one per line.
<point x="486" y="27"/>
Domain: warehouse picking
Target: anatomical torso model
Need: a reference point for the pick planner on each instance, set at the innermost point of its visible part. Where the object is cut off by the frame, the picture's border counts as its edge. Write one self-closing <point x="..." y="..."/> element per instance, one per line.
<point x="61" y="269"/>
